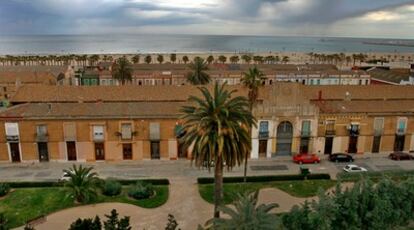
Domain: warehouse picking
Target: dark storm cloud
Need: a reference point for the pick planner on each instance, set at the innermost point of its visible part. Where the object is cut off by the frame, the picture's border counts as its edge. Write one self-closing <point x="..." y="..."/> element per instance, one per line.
<point x="64" y="16"/>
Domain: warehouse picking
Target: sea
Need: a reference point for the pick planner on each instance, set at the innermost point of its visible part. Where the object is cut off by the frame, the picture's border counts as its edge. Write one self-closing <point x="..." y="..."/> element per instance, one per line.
<point x="157" y="43"/>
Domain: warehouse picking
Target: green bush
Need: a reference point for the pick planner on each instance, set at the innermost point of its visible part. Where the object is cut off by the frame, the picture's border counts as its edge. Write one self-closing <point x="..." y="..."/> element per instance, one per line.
<point x="141" y="190"/>
<point x="151" y="181"/>
<point x="111" y="188"/>
<point x="4" y="189"/>
<point x="33" y="184"/>
<point x="210" y="180"/>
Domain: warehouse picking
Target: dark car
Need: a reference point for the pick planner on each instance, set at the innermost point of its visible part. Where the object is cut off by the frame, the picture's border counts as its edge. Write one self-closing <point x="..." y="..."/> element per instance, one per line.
<point x="397" y="156"/>
<point x="341" y="157"/>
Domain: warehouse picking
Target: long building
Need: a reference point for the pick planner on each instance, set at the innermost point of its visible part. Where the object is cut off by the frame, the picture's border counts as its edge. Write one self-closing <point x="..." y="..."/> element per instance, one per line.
<point x="112" y="123"/>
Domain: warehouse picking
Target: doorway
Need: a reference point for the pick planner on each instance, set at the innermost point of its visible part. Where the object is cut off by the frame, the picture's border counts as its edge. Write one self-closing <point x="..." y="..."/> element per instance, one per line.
<point x="399" y="143"/>
<point x="262" y="148"/>
<point x="99" y="151"/>
<point x="182" y="152"/>
<point x="15" y="152"/>
<point x="304" y="145"/>
<point x="328" y="145"/>
<point x="155" y="150"/>
<point x="352" y="146"/>
<point x="43" y="151"/>
<point x="127" y="151"/>
<point x="376" y="144"/>
<point x="284" y="138"/>
<point x="71" y="150"/>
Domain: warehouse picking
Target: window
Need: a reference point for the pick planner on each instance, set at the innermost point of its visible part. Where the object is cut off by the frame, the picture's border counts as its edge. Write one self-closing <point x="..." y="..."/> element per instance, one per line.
<point x="306" y="128"/>
<point x="154" y="131"/>
<point x="354" y="129"/>
<point x="264" y="129"/>
<point x="12" y="131"/>
<point x="41" y="130"/>
<point x="126" y="131"/>
<point x="401" y="125"/>
<point x="378" y="126"/>
<point x="98" y="132"/>
<point x="330" y="127"/>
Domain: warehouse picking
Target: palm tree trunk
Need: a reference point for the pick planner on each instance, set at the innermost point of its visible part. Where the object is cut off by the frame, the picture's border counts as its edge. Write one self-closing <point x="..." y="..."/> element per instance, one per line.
<point x="246" y="157"/>
<point x="218" y="186"/>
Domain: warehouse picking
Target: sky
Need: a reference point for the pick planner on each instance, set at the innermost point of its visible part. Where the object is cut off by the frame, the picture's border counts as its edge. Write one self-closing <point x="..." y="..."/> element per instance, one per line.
<point x="342" y="18"/>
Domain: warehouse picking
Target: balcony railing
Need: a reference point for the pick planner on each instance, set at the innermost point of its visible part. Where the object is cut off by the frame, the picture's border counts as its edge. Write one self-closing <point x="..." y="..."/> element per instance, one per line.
<point x="12" y="138"/>
<point x="263" y="134"/>
<point x="42" y="137"/>
<point x="330" y="132"/>
<point x="305" y="133"/>
<point x="400" y="131"/>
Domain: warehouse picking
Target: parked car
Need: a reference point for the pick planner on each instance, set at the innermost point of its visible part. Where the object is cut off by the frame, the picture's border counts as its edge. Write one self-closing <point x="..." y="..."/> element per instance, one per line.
<point x="341" y="157"/>
<point x="397" y="156"/>
<point x="354" y="168"/>
<point x="306" y="158"/>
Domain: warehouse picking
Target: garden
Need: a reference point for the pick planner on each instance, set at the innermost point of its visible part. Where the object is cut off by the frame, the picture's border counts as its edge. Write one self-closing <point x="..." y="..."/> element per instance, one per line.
<point x="22" y="202"/>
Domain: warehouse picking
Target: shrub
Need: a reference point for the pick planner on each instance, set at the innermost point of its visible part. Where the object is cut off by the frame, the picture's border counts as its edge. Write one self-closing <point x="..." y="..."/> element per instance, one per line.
<point x="3" y="222"/>
<point x="111" y="188"/>
<point x="210" y="180"/>
<point x="141" y="190"/>
<point x="4" y="189"/>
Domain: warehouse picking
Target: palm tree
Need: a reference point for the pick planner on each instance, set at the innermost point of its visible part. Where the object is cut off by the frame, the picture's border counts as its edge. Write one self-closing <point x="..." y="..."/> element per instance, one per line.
<point x="247" y="215"/>
<point x="210" y="59"/>
<point x="135" y="58"/>
<point x="222" y="59"/>
<point x="160" y="58"/>
<point x="173" y="58"/>
<point x="198" y="76"/>
<point x="216" y="126"/>
<point x="258" y="59"/>
<point x="285" y="59"/>
<point x="185" y="59"/>
<point x="234" y="59"/>
<point x="246" y="58"/>
<point x="253" y="79"/>
<point x="270" y="59"/>
<point x="82" y="183"/>
<point x="148" y="59"/>
<point x="122" y="70"/>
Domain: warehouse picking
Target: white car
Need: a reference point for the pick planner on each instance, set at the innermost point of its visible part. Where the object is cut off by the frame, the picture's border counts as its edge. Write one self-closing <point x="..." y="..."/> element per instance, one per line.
<point x="354" y="168"/>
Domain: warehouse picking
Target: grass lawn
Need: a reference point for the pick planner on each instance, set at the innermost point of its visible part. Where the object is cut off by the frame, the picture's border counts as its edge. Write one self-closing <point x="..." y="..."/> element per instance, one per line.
<point x="304" y="188"/>
<point x="25" y="204"/>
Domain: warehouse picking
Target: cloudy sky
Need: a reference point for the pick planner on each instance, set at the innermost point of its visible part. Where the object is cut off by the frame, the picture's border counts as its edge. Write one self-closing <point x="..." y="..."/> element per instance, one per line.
<point x="360" y="18"/>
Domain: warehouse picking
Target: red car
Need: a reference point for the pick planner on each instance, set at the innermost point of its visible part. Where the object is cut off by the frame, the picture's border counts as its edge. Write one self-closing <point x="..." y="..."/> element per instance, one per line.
<point x="306" y="158"/>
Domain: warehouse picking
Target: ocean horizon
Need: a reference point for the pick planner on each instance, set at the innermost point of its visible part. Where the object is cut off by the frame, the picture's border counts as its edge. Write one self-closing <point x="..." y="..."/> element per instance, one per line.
<point x="163" y="43"/>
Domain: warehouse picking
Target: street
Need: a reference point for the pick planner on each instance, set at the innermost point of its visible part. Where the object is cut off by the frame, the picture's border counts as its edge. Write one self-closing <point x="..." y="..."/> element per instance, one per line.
<point x="51" y="171"/>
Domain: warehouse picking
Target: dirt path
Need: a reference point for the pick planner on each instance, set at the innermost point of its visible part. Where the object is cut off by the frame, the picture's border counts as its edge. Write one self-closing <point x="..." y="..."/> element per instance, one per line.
<point x="184" y="203"/>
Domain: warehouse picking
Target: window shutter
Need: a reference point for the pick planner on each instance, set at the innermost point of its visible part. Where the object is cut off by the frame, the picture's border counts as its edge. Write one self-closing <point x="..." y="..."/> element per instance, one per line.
<point x="70" y="131"/>
<point x="12" y="129"/>
<point x="126" y="131"/>
<point x="154" y="131"/>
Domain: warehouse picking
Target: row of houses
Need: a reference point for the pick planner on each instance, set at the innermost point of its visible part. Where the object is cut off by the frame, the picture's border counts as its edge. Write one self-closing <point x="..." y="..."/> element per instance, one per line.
<point x="113" y="123"/>
<point x="176" y="74"/>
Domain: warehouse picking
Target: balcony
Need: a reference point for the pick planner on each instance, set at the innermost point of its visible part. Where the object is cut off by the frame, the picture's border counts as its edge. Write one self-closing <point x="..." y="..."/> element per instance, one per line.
<point x="12" y="138"/>
<point x="305" y="133"/>
<point x="42" y="137"/>
<point x="263" y="134"/>
<point x="330" y="132"/>
<point x="400" y="131"/>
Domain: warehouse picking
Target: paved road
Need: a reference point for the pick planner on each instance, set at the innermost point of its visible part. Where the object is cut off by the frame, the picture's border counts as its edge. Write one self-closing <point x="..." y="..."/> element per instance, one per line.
<point x="183" y="168"/>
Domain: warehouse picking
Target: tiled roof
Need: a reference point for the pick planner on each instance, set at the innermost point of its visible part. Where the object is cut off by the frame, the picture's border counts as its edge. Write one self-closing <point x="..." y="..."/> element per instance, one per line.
<point x="55" y="70"/>
<point x="381" y="107"/>
<point x="359" y="92"/>
<point x="93" y="110"/>
<point x="126" y="93"/>
<point x="27" y="77"/>
<point x="392" y="76"/>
